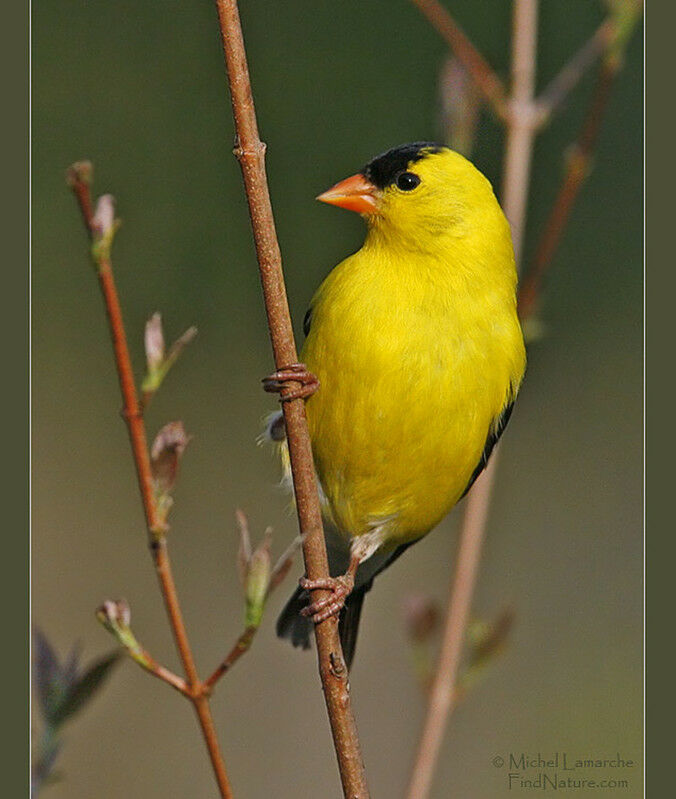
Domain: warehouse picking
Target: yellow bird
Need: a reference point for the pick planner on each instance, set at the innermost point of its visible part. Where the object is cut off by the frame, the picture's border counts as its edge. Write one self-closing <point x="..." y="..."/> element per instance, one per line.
<point x="416" y="349"/>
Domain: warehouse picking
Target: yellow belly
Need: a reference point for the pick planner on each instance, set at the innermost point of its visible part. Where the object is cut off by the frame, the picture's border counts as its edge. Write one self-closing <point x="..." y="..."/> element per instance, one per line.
<point x="410" y="386"/>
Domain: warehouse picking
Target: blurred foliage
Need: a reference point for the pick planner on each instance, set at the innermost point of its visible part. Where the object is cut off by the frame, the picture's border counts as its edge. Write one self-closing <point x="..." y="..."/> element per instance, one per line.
<point x="62" y="689"/>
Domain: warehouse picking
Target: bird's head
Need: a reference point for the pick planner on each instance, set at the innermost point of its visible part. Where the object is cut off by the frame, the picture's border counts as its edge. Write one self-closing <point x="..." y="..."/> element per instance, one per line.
<point x="416" y="193"/>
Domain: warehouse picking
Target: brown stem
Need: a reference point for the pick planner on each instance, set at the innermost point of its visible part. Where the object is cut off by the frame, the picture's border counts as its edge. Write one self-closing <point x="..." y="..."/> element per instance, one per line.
<point x="482" y="74"/>
<point x="137" y="435"/>
<point x="162" y="673"/>
<point x="250" y="154"/>
<point x="577" y="169"/>
<point x="241" y="646"/>
<point x="518" y="151"/>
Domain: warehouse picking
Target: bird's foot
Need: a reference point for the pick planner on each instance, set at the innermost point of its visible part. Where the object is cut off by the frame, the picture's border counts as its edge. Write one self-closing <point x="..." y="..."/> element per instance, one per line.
<point x="340" y="588"/>
<point x="293" y="373"/>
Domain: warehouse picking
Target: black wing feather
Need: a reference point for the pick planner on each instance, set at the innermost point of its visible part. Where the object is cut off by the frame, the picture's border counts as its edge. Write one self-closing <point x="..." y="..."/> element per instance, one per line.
<point x="494" y="434"/>
<point x="307" y="321"/>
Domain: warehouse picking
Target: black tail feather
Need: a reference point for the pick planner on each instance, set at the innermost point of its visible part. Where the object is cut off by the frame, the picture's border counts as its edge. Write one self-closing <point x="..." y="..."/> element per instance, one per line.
<point x="348" y="625"/>
<point x="291" y="624"/>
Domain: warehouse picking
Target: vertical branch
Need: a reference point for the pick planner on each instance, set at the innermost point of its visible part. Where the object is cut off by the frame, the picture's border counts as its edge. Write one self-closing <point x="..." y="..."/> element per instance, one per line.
<point x="522" y="120"/>
<point x="101" y="228"/>
<point x="524" y="116"/>
<point x="521" y="130"/>
<point x="250" y="152"/>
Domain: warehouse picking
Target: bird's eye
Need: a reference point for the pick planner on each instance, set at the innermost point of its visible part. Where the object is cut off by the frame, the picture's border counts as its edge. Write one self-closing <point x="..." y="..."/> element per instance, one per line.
<point x="407" y="181"/>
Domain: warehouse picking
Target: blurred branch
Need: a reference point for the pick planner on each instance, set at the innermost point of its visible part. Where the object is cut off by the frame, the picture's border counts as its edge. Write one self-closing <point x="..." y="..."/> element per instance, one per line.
<point x="523" y="118"/>
<point x="520" y="125"/>
<point x="555" y="93"/>
<point x="485" y="78"/>
<point x="578" y="160"/>
<point x="578" y="166"/>
<point x="250" y="152"/>
<point x="460" y="103"/>
<point x="518" y="151"/>
<point x="101" y="226"/>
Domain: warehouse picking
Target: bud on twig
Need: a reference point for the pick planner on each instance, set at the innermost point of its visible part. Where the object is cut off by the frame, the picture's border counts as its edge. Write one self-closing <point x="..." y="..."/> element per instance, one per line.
<point x="167" y="449"/>
<point x="421" y="616"/>
<point x="115" y="616"/>
<point x="258" y="581"/>
<point x="487" y="640"/>
<point x="154" y="343"/>
<point x="104" y="225"/>
<point x="244" y="551"/>
<point x="79" y="172"/>
<point x="256" y="573"/>
<point x="165" y="454"/>
<point x="103" y="220"/>
<point x="158" y="363"/>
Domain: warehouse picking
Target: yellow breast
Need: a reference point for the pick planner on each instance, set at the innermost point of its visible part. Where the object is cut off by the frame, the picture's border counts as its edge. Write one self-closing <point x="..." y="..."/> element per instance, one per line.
<point x="416" y="357"/>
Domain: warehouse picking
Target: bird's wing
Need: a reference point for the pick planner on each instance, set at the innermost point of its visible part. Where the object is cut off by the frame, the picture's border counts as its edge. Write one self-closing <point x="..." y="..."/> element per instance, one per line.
<point x="381" y="561"/>
<point x="496" y="430"/>
<point x="307" y="320"/>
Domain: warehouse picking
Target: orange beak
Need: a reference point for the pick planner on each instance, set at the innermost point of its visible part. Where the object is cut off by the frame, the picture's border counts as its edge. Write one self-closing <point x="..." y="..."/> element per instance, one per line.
<point x="354" y="193"/>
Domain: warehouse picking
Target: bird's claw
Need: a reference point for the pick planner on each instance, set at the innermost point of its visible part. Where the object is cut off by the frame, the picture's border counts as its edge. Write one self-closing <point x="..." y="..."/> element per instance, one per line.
<point x="340" y="588"/>
<point x="293" y="373"/>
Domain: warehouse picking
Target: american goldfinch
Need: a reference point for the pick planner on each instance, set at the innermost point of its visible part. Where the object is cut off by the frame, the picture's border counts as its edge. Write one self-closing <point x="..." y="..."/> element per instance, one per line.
<point x="412" y="362"/>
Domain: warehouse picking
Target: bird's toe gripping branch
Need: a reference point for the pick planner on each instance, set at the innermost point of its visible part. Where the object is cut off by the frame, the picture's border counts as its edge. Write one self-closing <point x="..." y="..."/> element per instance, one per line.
<point x="340" y="588"/>
<point x="293" y="373"/>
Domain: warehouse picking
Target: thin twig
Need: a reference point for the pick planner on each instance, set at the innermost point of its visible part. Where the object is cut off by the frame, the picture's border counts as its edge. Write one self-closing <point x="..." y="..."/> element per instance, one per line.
<point x="250" y="154"/>
<point x="164" y="674"/>
<point x="577" y="170"/>
<point x="241" y="646"/>
<point x="79" y="175"/>
<point x="482" y="73"/>
<point x="520" y="133"/>
<point x="557" y="90"/>
<point x="442" y="693"/>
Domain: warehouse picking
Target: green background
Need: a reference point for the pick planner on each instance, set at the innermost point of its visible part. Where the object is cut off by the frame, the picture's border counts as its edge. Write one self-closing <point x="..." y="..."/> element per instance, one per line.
<point x="140" y="89"/>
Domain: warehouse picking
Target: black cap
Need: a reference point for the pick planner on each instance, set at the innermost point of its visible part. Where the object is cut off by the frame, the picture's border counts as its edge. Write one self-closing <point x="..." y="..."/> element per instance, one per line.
<point x="383" y="169"/>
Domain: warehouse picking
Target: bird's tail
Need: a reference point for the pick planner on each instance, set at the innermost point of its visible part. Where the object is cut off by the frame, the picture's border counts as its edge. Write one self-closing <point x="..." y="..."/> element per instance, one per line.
<point x="291" y="624"/>
<point x="348" y="624"/>
<point x="298" y="629"/>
